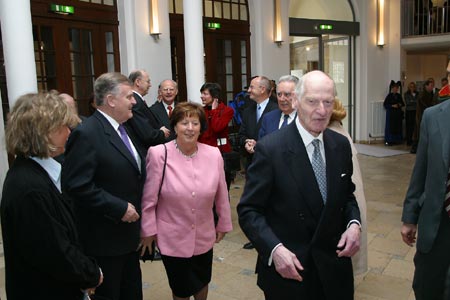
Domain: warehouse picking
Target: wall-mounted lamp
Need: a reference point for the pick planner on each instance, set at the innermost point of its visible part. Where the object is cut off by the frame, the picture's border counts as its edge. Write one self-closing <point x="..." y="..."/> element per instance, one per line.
<point x="277" y="34"/>
<point x="154" y="19"/>
<point x="380" y="23"/>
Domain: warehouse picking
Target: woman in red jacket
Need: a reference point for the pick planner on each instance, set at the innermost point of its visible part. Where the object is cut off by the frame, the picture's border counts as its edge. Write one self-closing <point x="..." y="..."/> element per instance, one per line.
<point x="218" y="116"/>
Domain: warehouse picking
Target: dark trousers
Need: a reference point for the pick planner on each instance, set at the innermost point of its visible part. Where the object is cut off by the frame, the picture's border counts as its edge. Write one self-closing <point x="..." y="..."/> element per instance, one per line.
<point x="431" y="267"/>
<point x="122" y="278"/>
<point x="410" y="124"/>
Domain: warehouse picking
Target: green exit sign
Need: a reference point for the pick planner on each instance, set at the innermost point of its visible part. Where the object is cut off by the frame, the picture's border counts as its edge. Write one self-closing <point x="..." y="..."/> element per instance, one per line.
<point x="62" y="9"/>
<point x="214" y="26"/>
<point x="325" y="27"/>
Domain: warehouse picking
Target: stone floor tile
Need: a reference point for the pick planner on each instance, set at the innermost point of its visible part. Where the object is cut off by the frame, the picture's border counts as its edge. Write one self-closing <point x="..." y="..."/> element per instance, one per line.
<point x="385" y="287"/>
<point x="399" y="268"/>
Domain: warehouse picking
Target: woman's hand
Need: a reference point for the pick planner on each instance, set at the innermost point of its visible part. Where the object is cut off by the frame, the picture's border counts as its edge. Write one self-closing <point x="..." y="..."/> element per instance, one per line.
<point x="146" y="242"/>
<point x="219" y="236"/>
<point x="215" y="103"/>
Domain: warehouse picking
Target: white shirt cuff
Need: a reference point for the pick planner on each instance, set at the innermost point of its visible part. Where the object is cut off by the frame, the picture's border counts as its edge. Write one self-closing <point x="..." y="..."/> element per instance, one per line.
<point x="356" y="222"/>
<point x="271" y="253"/>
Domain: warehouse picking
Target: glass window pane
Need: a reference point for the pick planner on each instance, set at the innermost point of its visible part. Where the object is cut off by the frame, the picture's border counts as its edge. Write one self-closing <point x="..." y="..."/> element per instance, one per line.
<point x="109" y="41"/>
<point x="243" y="13"/>
<point x="243" y="49"/>
<point x="74" y="38"/>
<point x="110" y="61"/>
<point x="228" y="65"/>
<point x="229" y="97"/>
<point x="171" y="10"/>
<point x="227" y="44"/>
<point x="235" y="11"/>
<point x="97" y="1"/>
<point x="229" y="83"/>
<point x="47" y="38"/>
<point x="226" y="11"/>
<point x="179" y="6"/>
<point x="244" y="81"/>
<point x="208" y="8"/>
<point x="108" y="2"/>
<point x="244" y="65"/>
<point x="218" y="9"/>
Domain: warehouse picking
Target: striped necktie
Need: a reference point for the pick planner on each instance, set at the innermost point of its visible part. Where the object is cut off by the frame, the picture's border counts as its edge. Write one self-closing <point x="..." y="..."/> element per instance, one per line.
<point x="319" y="169"/>
<point x="447" y="196"/>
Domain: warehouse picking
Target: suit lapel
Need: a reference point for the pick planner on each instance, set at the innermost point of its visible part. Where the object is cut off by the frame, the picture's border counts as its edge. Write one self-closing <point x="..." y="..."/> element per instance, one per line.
<point x="332" y="164"/>
<point x="443" y="120"/>
<point x="301" y="169"/>
<point x="115" y="140"/>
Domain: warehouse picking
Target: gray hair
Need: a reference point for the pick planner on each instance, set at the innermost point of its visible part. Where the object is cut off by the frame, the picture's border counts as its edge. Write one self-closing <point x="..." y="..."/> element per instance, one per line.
<point x="108" y="83"/>
<point x="288" y="78"/>
<point x="135" y="75"/>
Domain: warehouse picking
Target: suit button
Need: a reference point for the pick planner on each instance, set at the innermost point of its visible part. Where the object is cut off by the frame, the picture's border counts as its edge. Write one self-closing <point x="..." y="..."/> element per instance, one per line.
<point x="193" y="194"/>
<point x="193" y="210"/>
<point x="302" y="216"/>
<point x="193" y="226"/>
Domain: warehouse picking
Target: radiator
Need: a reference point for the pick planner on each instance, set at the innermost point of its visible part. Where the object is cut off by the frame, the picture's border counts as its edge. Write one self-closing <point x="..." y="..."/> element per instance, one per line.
<point x="377" y="120"/>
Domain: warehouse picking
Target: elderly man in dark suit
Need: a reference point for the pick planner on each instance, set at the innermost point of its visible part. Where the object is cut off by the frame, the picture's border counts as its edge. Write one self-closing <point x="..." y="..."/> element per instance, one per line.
<point x="285" y="114"/>
<point x="162" y="110"/>
<point x="298" y="206"/>
<point x="104" y="175"/>
<point x="426" y="209"/>
<point x="142" y="122"/>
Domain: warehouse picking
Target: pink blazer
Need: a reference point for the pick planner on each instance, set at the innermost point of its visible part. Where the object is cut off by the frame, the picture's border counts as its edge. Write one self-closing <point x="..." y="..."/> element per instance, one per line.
<point x="182" y="217"/>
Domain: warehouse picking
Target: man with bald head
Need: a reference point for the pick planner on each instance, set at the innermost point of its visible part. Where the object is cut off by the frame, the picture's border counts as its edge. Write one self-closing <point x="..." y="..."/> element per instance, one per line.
<point x="162" y="110"/>
<point x="141" y="125"/>
<point x="298" y="207"/>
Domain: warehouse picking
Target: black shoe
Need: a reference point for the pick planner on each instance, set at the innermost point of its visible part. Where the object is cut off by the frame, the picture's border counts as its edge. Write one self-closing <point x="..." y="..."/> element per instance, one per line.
<point x="248" y="246"/>
<point x="413" y="151"/>
<point x="157" y="255"/>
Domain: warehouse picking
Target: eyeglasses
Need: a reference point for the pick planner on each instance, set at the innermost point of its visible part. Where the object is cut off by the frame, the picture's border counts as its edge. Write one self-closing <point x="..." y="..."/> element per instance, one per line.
<point x="168" y="90"/>
<point x="281" y="94"/>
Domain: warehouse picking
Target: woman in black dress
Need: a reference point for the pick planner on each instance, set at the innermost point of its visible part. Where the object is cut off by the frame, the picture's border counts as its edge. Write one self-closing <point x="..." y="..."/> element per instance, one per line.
<point x="394" y="115"/>
<point x="43" y="258"/>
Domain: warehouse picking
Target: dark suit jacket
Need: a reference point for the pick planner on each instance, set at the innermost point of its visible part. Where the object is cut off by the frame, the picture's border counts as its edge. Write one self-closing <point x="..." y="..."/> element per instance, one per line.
<point x="141" y="125"/>
<point x="281" y="203"/>
<point x="162" y="119"/>
<point x="426" y="193"/>
<point x="101" y="176"/>
<point x="40" y="238"/>
<point x="270" y="122"/>
<point x="249" y="128"/>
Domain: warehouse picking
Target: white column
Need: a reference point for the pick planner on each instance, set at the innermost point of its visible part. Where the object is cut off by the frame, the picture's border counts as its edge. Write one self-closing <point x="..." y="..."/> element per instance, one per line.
<point x="193" y="41"/>
<point x="17" y="38"/>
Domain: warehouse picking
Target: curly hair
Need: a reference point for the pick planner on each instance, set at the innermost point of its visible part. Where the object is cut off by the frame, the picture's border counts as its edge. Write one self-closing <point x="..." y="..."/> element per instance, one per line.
<point x="339" y="112"/>
<point x="32" y="119"/>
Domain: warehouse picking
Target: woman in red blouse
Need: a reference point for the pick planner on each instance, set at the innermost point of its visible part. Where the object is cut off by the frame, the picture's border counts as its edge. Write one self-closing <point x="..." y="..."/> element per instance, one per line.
<point x="218" y="116"/>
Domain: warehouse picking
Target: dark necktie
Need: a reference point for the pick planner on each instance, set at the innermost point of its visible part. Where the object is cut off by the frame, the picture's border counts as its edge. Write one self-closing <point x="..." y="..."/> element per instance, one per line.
<point x="319" y="169"/>
<point x="285" y="121"/>
<point x="124" y="137"/>
<point x="447" y="196"/>
<point x="170" y="110"/>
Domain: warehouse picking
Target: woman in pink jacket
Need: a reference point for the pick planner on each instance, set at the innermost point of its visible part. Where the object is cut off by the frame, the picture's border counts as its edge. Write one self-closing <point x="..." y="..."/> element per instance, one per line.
<point x="180" y="218"/>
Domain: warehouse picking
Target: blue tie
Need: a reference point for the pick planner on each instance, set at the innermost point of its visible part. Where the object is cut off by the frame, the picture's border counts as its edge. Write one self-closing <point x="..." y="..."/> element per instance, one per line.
<point x="258" y="113"/>
<point x="319" y="169"/>
<point x="285" y="121"/>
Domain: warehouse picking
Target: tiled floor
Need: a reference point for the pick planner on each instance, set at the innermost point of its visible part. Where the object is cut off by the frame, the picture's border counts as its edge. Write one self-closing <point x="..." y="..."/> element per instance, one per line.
<point x="390" y="260"/>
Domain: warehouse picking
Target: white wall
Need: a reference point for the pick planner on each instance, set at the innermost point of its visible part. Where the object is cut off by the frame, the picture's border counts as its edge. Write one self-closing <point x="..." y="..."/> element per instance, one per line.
<point x="3" y="155"/>
<point x="267" y="58"/>
<point x="139" y="50"/>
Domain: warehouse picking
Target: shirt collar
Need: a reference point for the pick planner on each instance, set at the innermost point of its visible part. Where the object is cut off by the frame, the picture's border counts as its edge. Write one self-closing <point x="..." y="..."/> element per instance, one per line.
<point x="113" y="122"/>
<point x="263" y="104"/>
<point x="53" y="169"/>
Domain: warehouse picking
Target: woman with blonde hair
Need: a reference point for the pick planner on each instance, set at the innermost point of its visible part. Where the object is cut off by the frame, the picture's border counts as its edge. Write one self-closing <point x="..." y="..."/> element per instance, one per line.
<point x="359" y="260"/>
<point x="40" y="239"/>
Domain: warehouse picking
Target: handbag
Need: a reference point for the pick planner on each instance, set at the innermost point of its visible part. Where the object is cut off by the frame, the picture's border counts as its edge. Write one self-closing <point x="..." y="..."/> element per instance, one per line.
<point x="147" y="255"/>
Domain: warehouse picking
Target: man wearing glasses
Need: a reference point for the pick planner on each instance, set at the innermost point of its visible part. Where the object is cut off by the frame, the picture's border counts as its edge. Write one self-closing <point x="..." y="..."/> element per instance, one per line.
<point x="285" y="114"/>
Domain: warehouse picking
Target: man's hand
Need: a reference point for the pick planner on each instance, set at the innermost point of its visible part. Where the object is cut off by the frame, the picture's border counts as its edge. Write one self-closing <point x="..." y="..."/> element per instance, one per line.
<point x="287" y="264"/>
<point x="408" y="232"/>
<point x="349" y="241"/>
<point x="131" y="214"/>
<point x="165" y="131"/>
<point x="250" y="145"/>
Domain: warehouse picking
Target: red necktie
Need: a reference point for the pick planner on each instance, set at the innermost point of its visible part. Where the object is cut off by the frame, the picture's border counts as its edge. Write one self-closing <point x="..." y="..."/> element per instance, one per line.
<point x="447" y="196"/>
<point x="170" y="110"/>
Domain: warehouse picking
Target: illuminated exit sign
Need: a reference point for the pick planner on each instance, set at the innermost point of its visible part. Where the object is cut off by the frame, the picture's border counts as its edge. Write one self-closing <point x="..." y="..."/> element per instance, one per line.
<point x="325" y="27"/>
<point x="62" y="9"/>
<point x="213" y="26"/>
